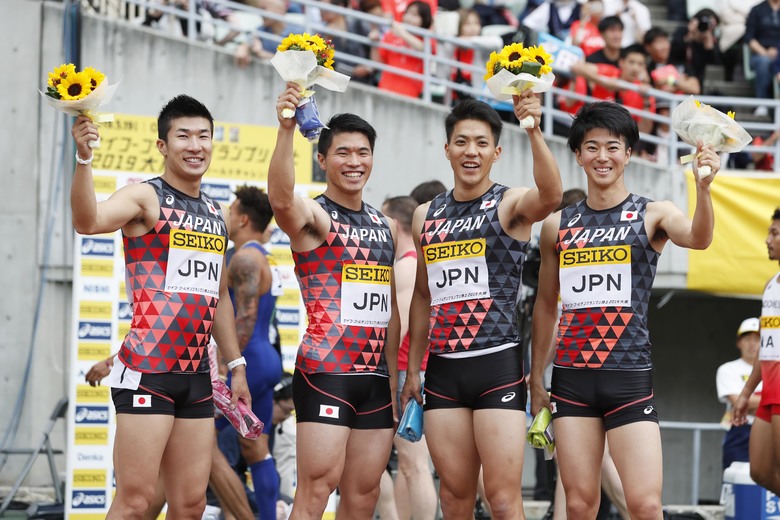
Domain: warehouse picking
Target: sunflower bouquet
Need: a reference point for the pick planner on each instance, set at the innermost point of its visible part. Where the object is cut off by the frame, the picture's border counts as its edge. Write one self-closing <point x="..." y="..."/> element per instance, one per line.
<point x="517" y="68"/>
<point x="694" y="121"/>
<point x="77" y="93"/>
<point x="307" y="59"/>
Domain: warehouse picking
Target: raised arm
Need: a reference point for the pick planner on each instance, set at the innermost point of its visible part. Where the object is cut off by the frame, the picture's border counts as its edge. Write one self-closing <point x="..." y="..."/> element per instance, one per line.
<point x="545" y="313"/>
<point x="536" y="203"/>
<point x="682" y="231"/>
<point x="134" y="204"/>
<point x="292" y="213"/>
<point x="419" y="315"/>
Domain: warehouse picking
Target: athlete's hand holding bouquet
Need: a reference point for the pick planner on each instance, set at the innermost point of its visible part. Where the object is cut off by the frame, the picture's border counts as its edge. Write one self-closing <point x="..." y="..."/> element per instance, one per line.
<point x="696" y="122"/>
<point x="516" y="69"/>
<point x="79" y="93"/>
<point x="240" y="416"/>
<point x="308" y="60"/>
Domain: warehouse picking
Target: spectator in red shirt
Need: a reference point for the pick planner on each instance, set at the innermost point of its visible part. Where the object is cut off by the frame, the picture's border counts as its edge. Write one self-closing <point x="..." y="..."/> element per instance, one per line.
<point x="418" y="14"/>
<point x="584" y="32"/>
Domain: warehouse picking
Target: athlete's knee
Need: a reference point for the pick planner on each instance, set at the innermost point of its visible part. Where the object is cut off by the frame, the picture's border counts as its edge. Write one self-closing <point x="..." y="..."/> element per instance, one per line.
<point x="190" y="507"/>
<point x="316" y="490"/>
<point x="457" y="504"/>
<point x="580" y="506"/>
<point x="413" y="467"/>
<point x="645" y="506"/>
<point x="505" y="503"/>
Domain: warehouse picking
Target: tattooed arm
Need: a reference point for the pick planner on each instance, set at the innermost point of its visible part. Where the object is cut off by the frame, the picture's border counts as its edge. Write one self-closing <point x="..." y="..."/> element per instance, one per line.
<point x="250" y="278"/>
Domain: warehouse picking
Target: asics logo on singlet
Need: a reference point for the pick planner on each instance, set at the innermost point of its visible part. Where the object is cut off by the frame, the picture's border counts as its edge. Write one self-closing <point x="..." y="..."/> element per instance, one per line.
<point x="439" y="210"/>
<point x="576" y="218"/>
<point x="648" y="410"/>
<point x="334" y="215"/>
<point x="169" y="200"/>
<point x="508" y="397"/>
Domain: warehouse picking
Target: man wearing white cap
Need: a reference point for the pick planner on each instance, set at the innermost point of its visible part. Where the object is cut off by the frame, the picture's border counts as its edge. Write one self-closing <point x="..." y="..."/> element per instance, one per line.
<point x="730" y="380"/>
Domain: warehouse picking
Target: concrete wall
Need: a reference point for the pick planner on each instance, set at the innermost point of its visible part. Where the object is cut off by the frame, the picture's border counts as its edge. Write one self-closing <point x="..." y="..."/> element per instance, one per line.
<point x="692" y="333"/>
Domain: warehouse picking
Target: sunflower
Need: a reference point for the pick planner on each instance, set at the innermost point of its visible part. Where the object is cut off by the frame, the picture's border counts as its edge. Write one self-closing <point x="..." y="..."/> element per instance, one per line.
<point x="75" y="86"/>
<point x="60" y="73"/>
<point x="731" y="114"/>
<point x="493" y="65"/>
<point x="322" y="49"/>
<point x="95" y="76"/>
<point x="538" y="54"/>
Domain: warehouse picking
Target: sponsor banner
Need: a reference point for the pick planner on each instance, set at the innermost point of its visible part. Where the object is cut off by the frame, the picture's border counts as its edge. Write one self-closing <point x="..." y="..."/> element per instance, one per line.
<point x="289" y="336"/>
<point x="92" y="394"/>
<point x="290" y="298"/>
<point x="124" y="311"/>
<point x="88" y="499"/>
<point x="104" y="184"/>
<point x="90" y="351"/>
<point x="92" y="330"/>
<point x="88" y="290"/>
<point x="94" y="268"/>
<point x="288" y="317"/>
<point x="88" y="456"/>
<point x="92" y="415"/>
<point x="91" y="436"/>
<point x="89" y="478"/>
<point x="736" y="262"/>
<point x="92" y="246"/>
<point x="95" y="310"/>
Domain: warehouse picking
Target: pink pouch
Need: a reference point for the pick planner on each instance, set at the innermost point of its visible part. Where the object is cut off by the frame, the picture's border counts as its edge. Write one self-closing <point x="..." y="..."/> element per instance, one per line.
<point x="241" y="417"/>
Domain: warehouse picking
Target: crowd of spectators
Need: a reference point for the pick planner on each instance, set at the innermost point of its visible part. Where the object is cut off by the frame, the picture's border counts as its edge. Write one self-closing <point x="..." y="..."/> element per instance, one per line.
<point x="618" y="38"/>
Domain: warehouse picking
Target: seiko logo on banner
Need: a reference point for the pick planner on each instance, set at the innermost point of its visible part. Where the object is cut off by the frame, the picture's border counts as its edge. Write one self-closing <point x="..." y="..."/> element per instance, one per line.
<point x="97" y="246"/>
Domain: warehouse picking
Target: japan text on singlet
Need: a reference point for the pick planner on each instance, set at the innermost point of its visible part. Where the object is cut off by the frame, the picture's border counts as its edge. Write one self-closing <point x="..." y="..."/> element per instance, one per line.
<point x="173" y="274"/>
<point x="345" y="285"/>
<point x="769" y="352"/>
<point x="607" y="267"/>
<point x="474" y="270"/>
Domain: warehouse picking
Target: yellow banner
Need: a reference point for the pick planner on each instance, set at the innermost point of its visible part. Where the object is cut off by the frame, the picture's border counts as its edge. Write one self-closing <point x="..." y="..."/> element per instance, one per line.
<point x="241" y="152"/>
<point x="736" y="262"/>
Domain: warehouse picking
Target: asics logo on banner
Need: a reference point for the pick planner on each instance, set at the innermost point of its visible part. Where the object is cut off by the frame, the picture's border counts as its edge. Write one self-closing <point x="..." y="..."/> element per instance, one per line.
<point x="88" y="499"/>
<point x="508" y="397"/>
<point x="94" y="330"/>
<point x="648" y="410"/>
<point x="439" y="210"/>
<point x="97" y="247"/>
<point x="124" y="311"/>
<point x="169" y="200"/>
<point x="334" y="215"/>
<point x="217" y="191"/>
<point x="287" y="317"/>
<point x="576" y="218"/>
<point x="91" y="415"/>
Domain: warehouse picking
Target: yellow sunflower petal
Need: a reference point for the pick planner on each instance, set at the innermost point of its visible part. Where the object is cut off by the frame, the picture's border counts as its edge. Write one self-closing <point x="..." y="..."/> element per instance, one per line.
<point x="732" y="114"/>
<point x="538" y="54"/>
<point x="95" y="76"/>
<point x="698" y="103"/>
<point x="76" y="86"/>
<point x="490" y="66"/>
<point x="60" y="73"/>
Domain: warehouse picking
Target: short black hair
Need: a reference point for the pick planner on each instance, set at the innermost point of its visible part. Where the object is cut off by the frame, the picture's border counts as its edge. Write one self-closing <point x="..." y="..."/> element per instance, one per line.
<point x="632" y="49"/>
<point x="603" y="114"/>
<point x="572" y="196"/>
<point x="401" y="209"/>
<point x="426" y="191"/>
<point x="776" y="214"/>
<point x="345" y="123"/>
<point x="253" y="202"/>
<point x="424" y="10"/>
<point x="653" y="33"/>
<point x="608" y="22"/>
<point x="477" y="110"/>
<point x="181" y="106"/>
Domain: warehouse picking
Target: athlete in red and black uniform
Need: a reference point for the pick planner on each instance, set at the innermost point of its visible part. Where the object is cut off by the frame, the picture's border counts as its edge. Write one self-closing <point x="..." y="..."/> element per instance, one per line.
<point x="346" y="365"/>
<point x="175" y="238"/>
<point x="471" y="243"/>
<point x="600" y="256"/>
<point x="764" y="445"/>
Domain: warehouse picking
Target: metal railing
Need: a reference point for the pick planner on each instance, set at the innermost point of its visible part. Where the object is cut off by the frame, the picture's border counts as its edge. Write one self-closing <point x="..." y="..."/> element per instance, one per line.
<point x="696" y="428"/>
<point x="437" y="66"/>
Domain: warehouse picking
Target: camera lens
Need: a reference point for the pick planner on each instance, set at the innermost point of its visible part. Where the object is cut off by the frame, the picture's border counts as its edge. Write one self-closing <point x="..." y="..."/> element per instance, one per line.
<point x="704" y="24"/>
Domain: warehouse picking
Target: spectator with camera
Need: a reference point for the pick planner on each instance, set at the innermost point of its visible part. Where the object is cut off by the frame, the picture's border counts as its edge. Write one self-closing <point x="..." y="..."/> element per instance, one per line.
<point x="762" y="34"/>
<point x="635" y="17"/>
<point x="696" y="45"/>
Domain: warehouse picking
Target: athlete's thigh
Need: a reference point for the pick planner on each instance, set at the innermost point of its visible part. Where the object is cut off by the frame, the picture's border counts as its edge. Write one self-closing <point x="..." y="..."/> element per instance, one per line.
<point x="636" y="451"/>
<point x="450" y="436"/>
<point x="367" y="453"/>
<point x="500" y="438"/>
<point x="762" y="449"/>
<point x="186" y="462"/>
<point x="138" y="448"/>
<point x="320" y="450"/>
<point x="579" y="444"/>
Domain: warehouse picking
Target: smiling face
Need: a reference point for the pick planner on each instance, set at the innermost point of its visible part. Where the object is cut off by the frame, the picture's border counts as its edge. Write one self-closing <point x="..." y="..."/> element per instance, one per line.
<point x="348" y="162"/>
<point x="187" y="149"/>
<point x="472" y="152"/>
<point x="603" y="156"/>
